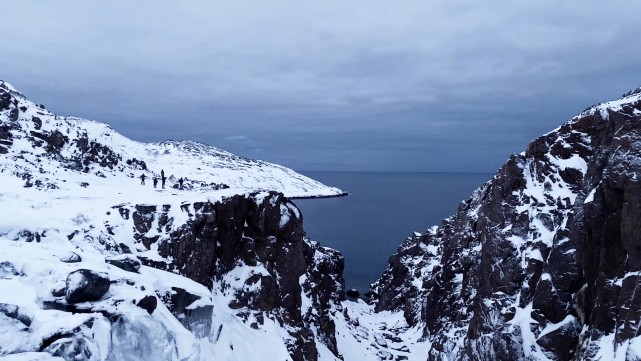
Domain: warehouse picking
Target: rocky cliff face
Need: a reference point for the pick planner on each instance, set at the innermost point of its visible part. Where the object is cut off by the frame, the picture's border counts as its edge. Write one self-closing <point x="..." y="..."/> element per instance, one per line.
<point x="543" y="261"/>
<point x="251" y="252"/>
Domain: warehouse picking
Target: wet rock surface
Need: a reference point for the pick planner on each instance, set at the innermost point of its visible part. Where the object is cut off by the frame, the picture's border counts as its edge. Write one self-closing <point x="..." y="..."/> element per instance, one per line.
<point x="540" y="262"/>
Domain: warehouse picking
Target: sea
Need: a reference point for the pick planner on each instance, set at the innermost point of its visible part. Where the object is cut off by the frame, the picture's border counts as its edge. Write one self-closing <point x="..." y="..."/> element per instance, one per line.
<point x="381" y="211"/>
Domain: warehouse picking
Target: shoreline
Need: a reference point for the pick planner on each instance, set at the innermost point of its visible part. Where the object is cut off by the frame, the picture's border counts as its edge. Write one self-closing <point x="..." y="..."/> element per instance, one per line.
<point x="344" y="194"/>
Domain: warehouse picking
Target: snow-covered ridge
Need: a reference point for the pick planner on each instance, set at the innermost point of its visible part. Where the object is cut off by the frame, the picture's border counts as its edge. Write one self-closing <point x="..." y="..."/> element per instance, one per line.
<point x="627" y="99"/>
<point x="83" y="150"/>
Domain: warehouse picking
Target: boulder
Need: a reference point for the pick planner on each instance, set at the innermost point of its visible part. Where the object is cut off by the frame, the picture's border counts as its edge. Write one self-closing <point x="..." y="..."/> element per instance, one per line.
<point x="85" y="285"/>
<point x="71" y="257"/>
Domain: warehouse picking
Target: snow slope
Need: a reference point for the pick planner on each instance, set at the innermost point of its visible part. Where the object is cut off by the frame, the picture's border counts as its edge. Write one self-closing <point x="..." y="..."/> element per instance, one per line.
<point x="80" y="150"/>
<point x="68" y="186"/>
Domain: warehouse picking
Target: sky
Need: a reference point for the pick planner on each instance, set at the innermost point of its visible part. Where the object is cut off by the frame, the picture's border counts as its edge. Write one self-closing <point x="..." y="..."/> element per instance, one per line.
<point x="363" y="85"/>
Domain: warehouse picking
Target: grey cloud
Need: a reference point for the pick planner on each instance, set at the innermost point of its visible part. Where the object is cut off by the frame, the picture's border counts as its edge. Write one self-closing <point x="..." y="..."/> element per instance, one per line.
<point x="440" y="85"/>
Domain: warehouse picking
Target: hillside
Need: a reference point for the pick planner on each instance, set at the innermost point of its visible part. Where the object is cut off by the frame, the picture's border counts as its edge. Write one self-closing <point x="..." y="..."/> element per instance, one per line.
<point x="68" y="153"/>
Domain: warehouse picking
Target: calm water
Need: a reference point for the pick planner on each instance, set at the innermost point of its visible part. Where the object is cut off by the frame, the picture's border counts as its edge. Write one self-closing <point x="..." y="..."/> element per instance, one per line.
<point x="383" y="209"/>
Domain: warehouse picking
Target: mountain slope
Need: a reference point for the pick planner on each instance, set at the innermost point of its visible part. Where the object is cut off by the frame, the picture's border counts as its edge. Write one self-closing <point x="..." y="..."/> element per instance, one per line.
<point x="78" y="150"/>
<point x="96" y="266"/>
<point x="542" y="262"/>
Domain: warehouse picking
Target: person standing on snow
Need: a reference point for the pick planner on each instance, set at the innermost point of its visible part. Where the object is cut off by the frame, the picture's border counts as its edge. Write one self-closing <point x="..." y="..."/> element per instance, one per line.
<point x="142" y="179"/>
<point x="162" y="178"/>
<point x="155" y="182"/>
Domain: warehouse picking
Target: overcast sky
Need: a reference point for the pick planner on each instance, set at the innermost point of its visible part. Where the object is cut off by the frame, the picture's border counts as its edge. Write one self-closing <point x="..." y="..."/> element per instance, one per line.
<point x="327" y="85"/>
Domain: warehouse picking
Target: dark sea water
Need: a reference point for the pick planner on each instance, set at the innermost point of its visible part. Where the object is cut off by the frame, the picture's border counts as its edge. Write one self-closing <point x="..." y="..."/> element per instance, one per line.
<point x="383" y="209"/>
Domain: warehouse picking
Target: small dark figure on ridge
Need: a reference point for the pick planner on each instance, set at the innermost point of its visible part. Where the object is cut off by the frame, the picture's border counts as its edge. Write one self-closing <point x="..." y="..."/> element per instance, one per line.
<point x="162" y="178"/>
<point x="155" y="182"/>
<point x="180" y="183"/>
<point x="142" y="179"/>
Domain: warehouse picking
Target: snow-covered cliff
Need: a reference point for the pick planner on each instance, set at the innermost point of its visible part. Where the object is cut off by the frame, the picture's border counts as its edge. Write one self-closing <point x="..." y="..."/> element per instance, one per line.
<point x="543" y="262"/>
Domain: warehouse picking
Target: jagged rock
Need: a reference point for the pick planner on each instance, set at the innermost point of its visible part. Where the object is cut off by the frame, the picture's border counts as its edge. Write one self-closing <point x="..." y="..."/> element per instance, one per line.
<point x="263" y="229"/>
<point x="37" y="122"/>
<point x="85" y="285"/>
<point x="148" y="303"/>
<point x="125" y="262"/>
<point x="561" y="342"/>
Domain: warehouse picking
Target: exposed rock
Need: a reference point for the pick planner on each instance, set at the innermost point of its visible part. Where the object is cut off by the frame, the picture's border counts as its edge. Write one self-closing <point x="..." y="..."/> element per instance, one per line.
<point x="37" y="122"/>
<point x="263" y="231"/>
<point x="352" y="293"/>
<point x="125" y="262"/>
<point x="85" y="285"/>
<point x="16" y="313"/>
<point x="55" y="140"/>
<point x="8" y="270"/>
<point x="137" y="164"/>
<point x="148" y="303"/>
<point x="180" y="302"/>
<point x="552" y="242"/>
<point x="71" y="257"/>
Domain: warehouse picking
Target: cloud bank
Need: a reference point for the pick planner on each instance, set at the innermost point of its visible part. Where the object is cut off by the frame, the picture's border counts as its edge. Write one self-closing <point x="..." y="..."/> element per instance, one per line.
<point x="363" y="85"/>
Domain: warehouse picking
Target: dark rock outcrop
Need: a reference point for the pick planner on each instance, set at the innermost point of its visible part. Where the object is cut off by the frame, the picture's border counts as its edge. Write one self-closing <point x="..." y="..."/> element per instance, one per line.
<point x="148" y="303"/>
<point x="196" y="319"/>
<point x="125" y="262"/>
<point x="85" y="285"/>
<point x="262" y="232"/>
<point x="541" y="262"/>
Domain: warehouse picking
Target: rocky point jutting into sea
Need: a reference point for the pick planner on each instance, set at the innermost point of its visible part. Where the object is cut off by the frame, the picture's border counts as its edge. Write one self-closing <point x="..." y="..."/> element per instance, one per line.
<point x="540" y="263"/>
